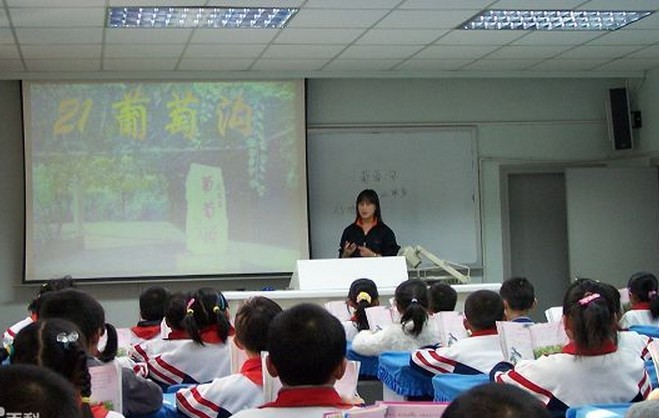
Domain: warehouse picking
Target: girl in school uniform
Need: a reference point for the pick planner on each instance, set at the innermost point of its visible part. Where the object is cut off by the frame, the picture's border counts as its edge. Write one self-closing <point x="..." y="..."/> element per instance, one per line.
<point x="644" y="310"/>
<point x="363" y="294"/>
<point x="413" y="331"/>
<point x="198" y="351"/>
<point x="574" y="377"/>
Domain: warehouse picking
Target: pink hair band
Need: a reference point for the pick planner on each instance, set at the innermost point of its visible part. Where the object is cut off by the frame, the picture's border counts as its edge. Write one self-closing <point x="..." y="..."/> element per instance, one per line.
<point x="588" y="298"/>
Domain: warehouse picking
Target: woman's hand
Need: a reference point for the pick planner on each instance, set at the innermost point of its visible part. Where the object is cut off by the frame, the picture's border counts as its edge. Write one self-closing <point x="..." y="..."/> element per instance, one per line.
<point x="348" y="249"/>
<point x="364" y="251"/>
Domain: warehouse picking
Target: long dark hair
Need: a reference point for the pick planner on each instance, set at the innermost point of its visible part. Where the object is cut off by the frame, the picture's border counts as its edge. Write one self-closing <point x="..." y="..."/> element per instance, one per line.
<point x="591" y="313"/>
<point x="370" y="196"/>
<point x="411" y="298"/>
<point x="369" y="287"/>
<point x="643" y="286"/>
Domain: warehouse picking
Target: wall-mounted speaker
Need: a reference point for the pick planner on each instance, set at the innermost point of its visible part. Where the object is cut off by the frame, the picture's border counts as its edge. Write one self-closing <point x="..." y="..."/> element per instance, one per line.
<point x="619" y="119"/>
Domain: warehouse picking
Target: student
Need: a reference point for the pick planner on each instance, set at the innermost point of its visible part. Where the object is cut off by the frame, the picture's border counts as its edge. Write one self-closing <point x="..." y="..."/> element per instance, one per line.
<point x="590" y="358"/>
<point x="227" y="395"/>
<point x="198" y="353"/>
<point x="496" y="401"/>
<point x="473" y="355"/>
<point x="413" y="331"/>
<point x="139" y="396"/>
<point x="153" y="302"/>
<point x="58" y="345"/>
<point x="518" y="297"/>
<point x="38" y="391"/>
<point x="644" y="310"/>
<point x="443" y="298"/>
<point x="368" y="235"/>
<point x="51" y="285"/>
<point x="306" y="347"/>
<point x="363" y="293"/>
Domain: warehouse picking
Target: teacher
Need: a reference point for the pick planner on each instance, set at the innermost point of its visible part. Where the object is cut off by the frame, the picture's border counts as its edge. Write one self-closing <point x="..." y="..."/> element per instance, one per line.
<point x="368" y="236"/>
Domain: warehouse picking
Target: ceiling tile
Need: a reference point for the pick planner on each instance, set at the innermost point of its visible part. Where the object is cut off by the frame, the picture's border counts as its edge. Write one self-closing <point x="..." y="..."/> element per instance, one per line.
<point x="536" y="4"/>
<point x="158" y="3"/>
<point x="628" y="37"/>
<point x="521" y="52"/>
<point x="55" y="3"/>
<point x="223" y="51"/>
<point x="268" y="64"/>
<point x="7" y="66"/>
<point x="649" y="52"/>
<point x="648" y="22"/>
<point x="147" y="36"/>
<point x="317" y="36"/>
<point x="628" y="64"/>
<point x="445" y="4"/>
<point x="343" y="18"/>
<point x="351" y="4"/>
<point x="232" y="36"/>
<point x="140" y="64"/>
<point x="425" y="19"/>
<point x="429" y="65"/>
<point x="6" y="36"/>
<point x="620" y="5"/>
<point x="60" y="51"/>
<point x="4" y="21"/>
<point x="479" y="37"/>
<point x="45" y="36"/>
<point x="593" y="52"/>
<point x="400" y="36"/>
<point x="379" y="51"/>
<point x="298" y="51"/>
<point x="9" y="52"/>
<point x="214" y="64"/>
<point x="57" y="17"/>
<point x="568" y="65"/>
<point x="454" y="52"/>
<point x="556" y="38"/>
<point x="500" y="65"/>
<point x="65" y="65"/>
<point x="252" y="3"/>
<point x="143" y="50"/>
<point x="360" y="65"/>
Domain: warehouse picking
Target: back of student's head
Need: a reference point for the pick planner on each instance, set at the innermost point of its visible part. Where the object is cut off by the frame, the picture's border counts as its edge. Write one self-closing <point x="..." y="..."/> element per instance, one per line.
<point x="206" y="308"/>
<point x="643" y="287"/>
<point x="483" y="308"/>
<point x="85" y="312"/>
<point x="28" y="389"/>
<point x="518" y="293"/>
<point x="590" y="315"/>
<point x="176" y="310"/>
<point x="58" y="345"/>
<point x="153" y="303"/>
<point x="252" y="322"/>
<point x="363" y="294"/>
<point x="442" y="297"/>
<point x="613" y="294"/>
<point x="306" y="344"/>
<point x="495" y="400"/>
<point x="411" y="299"/>
<point x="52" y="285"/>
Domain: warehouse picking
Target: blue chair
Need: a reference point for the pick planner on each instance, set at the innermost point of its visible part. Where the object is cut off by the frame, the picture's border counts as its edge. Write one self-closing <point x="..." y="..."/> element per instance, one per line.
<point x="613" y="410"/>
<point x="648" y="330"/>
<point x="369" y="364"/>
<point x="175" y="388"/>
<point x="395" y="372"/>
<point x="652" y="372"/>
<point x="447" y="387"/>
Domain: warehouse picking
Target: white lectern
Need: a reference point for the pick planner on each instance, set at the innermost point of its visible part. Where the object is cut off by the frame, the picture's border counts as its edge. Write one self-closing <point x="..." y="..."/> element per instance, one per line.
<point x="339" y="273"/>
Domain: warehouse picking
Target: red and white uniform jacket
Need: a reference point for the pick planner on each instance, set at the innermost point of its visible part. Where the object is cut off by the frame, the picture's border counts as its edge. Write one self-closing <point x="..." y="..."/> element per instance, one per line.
<point x="10" y="333"/>
<point x="292" y="402"/>
<point x="639" y="314"/>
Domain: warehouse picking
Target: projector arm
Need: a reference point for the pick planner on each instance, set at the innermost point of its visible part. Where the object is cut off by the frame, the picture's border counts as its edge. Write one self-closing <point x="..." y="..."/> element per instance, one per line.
<point x="413" y="257"/>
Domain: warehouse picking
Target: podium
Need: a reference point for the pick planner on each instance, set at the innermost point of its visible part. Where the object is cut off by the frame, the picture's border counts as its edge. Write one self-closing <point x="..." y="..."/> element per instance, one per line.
<point x="339" y="273"/>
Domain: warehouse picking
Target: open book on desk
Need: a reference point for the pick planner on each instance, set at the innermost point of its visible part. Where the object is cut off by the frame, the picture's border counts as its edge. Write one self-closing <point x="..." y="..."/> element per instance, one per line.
<point x="528" y="341"/>
<point x="378" y="317"/>
<point x="450" y="327"/>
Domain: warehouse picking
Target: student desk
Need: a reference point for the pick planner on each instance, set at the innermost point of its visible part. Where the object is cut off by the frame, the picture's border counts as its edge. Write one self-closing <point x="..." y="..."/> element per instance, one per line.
<point x="368" y="364"/>
<point x="400" y="380"/>
<point x="616" y="410"/>
<point x="449" y="386"/>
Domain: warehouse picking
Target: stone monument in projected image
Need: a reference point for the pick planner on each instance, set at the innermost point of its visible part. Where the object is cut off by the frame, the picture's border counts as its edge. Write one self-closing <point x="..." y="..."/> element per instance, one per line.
<point x="207" y="232"/>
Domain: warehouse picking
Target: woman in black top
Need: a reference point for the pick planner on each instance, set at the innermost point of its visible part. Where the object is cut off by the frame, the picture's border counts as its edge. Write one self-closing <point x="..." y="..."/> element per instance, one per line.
<point x="368" y="236"/>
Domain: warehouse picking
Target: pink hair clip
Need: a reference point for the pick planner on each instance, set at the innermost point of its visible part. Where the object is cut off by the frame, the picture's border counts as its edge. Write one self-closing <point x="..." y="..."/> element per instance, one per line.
<point x="588" y="298"/>
<point x="188" y="308"/>
<point x="652" y="293"/>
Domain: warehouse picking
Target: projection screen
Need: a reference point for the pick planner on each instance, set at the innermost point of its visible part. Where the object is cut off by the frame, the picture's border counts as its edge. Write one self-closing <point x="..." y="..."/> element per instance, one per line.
<point x="132" y="180"/>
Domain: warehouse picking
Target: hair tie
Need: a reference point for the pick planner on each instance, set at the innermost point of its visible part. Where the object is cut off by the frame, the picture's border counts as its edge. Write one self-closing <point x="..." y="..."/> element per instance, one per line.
<point x="10" y="349"/>
<point x="86" y="399"/>
<point x="652" y="293"/>
<point x="414" y="300"/>
<point x="584" y="301"/>
<point x="188" y="307"/>
<point x="363" y="296"/>
<point x="216" y="309"/>
<point x="67" y="339"/>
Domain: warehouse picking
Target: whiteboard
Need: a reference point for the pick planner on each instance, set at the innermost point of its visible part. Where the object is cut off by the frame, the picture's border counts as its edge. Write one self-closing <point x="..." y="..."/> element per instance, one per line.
<point x="427" y="180"/>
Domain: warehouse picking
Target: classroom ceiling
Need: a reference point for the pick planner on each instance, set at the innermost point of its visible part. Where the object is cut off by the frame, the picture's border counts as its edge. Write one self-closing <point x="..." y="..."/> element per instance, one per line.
<point x="327" y="38"/>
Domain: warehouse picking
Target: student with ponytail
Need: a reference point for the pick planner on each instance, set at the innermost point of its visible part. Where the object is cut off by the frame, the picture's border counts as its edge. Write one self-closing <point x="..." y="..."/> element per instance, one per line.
<point x="58" y="345"/>
<point x="413" y="330"/>
<point x="363" y="294"/>
<point x="139" y="396"/>
<point x="196" y="351"/>
<point x="642" y="289"/>
<point x="575" y="376"/>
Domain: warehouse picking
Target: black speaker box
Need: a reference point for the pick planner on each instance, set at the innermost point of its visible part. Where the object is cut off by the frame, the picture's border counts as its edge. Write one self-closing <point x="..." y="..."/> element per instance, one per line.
<point x="619" y="119"/>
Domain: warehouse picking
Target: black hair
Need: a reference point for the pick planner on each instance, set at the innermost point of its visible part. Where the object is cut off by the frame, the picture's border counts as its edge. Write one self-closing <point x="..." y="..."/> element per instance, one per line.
<point x="306" y="344"/>
<point x="518" y="292"/>
<point x="370" y="288"/>
<point x="643" y="286"/>
<point x="32" y="389"/>
<point x="153" y="302"/>
<point x="442" y="297"/>
<point x="252" y="322"/>
<point x="85" y="312"/>
<point x="175" y="312"/>
<point x="58" y="345"/>
<point x="207" y="307"/>
<point x="483" y="308"/>
<point x="51" y="285"/>
<point x="411" y="298"/>
<point x="496" y="400"/>
<point x="589" y="308"/>
<point x="613" y="294"/>
<point x="370" y="196"/>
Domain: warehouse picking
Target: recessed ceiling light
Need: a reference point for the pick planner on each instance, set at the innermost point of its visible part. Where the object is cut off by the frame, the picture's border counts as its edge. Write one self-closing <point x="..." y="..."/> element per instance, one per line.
<point x="552" y="20"/>
<point x="199" y="17"/>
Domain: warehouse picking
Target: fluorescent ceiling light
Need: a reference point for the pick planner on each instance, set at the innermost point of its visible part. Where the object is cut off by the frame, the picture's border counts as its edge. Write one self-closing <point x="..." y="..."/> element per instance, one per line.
<point x="552" y="20"/>
<point x="199" y="17"/>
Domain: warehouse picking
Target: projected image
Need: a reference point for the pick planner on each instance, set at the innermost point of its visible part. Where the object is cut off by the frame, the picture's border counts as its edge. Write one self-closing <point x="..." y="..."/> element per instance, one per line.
<point x="164" y="179"/>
